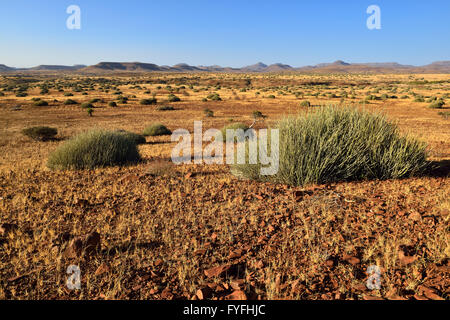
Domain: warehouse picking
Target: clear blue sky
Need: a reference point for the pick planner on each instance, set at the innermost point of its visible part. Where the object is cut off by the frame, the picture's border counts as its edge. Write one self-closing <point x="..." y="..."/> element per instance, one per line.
<point x="228" y="33"/>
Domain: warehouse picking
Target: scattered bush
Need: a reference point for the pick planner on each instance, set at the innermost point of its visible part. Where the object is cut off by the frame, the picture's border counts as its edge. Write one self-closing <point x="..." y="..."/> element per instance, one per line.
<point x="94" y="149"/>
<point x="70" y="101"/>
<point x="445" y="114"/>
<point x="340" y="144"/>
<point x="68" y="94"/>
<point x="40" y="133"/>
<point x="87" y="105"/>
<point x="173" y="98"/>
<point x="150" y="101"/>
<point x="436" y="104"/>
<point x="156" y="129"/>
<point x="137" y="138"/>
<point x="165" y="108"/>
<point x="234" y="126"/>
<point x="271" y="96"/>
<point x="90" y="111"/>
<point x="112" y="104"/>
<point x="41" y="103"/>
<point x="208" y="113"/>
<point x="305" y="103"/>
<point x="214" y="97"/>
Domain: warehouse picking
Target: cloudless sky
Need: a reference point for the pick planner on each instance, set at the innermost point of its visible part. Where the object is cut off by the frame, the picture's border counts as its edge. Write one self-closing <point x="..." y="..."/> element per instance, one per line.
<point x="228" y="33"/>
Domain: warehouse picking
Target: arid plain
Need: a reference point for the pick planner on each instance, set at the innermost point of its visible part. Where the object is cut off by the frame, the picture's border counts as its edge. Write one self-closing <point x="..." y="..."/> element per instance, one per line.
<point x="199" y="232"/>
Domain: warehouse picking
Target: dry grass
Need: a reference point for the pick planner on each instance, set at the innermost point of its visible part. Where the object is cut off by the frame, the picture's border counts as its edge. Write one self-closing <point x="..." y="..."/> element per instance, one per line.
<point x="163" y="226"/>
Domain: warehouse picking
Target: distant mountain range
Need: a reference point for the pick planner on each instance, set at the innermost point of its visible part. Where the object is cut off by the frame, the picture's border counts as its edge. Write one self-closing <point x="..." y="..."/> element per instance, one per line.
<point x="338" y="66"/>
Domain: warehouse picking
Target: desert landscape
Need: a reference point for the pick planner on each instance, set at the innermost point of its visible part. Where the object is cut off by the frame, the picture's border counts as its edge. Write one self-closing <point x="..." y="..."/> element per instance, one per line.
<point x="150" y="229"/>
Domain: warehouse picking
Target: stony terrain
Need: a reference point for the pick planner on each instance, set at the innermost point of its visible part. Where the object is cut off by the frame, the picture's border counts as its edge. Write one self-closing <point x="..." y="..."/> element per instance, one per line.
<point x="159" y="231"/>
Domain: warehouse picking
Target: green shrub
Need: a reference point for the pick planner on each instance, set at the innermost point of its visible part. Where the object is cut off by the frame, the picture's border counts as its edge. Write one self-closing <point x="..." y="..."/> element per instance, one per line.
<point x="156" y="129"/>
<point x="87" y="105"/>
<point x="436" y="104"/>
<point x="40" y="133"/>
<point x="95" y="100"/>
<point x="90" y="111"/>
<point x="305" y="103"/>
<point x="234" y="126"/>
<point x="94" y="149"/>
<point x="68" y="94"/>
<point x="112" y="104"/>
<point x="214" y="97"/>
<point x="21" y="94"/>
<point x="165" y="108"/>
<point x="271" y="96"/>
<point x="445" y="114"/>
<point x="70" y="101"/>
<point x="41" y="103"/>
<point x="173" y="98"/>
<point x="340" y="144"/>
<point x="137" y="138"/>
<point x="208" y="113"/>
<point x="150" y="101"/>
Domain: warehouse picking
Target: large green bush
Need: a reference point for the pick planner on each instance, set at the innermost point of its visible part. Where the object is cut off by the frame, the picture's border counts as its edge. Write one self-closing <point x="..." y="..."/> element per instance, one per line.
<point x="340" y="144"/>
<point x="93" y="149"/>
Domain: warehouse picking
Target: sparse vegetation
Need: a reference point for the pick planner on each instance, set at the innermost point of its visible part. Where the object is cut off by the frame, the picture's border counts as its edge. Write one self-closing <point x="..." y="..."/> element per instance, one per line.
<point x="156" y="129"/>
<point x="146" y="102"/>
<point x="41" y="103"/>
<point x="165" y="108"/>
<point x="41" y="133"/>
<point x="94" y="149"/>
<point x="341" y="144"/>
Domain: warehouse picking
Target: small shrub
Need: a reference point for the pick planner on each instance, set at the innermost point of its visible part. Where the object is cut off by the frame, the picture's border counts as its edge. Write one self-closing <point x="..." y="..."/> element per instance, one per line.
<point x="94" y="149"/>
<point x="445" y="114"/>
<point x="305" y="103"/>
<point x="87" y="105"/>
<point x="165" y="108"/>
<point x="68" y="94"/>
<point x="234" y="126"/>
<point x="208" y="113"/>
<point x="90" y="111"/>
<point x="137" y="138"/>
<point x="147" y="102"/>
<point x="40" y="133"/>
<point x="156" y="129"/>
<point x="41" y="103"/>
<point x="70" y="101"/>
<point x="173" y="98"/>
<point x="214" y="97"/>
<point x="271" y="96"/>
<point x="112" y="104"/>
<point x="436" y="104"/>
